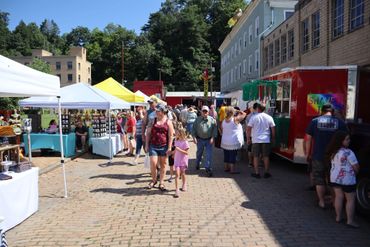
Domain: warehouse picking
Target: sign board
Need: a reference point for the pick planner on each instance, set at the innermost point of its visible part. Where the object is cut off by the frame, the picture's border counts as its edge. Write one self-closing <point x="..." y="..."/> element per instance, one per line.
<point x="316" y="101"/>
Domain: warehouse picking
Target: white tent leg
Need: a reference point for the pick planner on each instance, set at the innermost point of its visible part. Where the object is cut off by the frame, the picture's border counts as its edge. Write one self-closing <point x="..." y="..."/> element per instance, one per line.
<point x="110" y="137"/>
<point x="62" y="148"/>
<point x="29" y="146"/>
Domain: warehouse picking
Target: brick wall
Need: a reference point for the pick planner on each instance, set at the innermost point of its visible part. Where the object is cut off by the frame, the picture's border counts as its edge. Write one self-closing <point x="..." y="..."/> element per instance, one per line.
<point x="353" y="47"/>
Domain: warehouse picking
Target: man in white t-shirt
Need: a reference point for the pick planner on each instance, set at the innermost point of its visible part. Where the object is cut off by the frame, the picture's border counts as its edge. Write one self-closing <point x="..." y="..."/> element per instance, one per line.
<point x="261" y="128"/>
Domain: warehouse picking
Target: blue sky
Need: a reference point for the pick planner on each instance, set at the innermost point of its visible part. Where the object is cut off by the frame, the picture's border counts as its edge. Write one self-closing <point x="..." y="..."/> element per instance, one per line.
<point x="68" y="14"/>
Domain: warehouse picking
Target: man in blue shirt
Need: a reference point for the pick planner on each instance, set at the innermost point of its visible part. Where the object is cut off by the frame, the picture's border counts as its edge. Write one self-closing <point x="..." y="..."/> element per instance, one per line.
<point x="321" y="130"/>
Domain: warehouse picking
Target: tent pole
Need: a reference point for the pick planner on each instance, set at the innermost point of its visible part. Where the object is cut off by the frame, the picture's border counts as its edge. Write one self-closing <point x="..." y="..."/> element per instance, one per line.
<point x="61" y="147"/>
<point x="110" y="137"/>
<point x="29" y="146"/>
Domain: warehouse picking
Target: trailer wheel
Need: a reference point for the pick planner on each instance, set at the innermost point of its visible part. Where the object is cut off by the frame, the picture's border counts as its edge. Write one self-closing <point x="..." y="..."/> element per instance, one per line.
<point x="363" y="195"/>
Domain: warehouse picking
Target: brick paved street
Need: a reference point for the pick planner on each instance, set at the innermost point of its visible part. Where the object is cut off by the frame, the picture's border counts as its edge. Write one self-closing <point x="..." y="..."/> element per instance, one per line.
<point x="109" y="206"/>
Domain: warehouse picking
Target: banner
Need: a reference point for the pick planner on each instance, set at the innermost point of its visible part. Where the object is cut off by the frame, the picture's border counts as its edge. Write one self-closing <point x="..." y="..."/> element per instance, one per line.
<point x="316" y="101"/>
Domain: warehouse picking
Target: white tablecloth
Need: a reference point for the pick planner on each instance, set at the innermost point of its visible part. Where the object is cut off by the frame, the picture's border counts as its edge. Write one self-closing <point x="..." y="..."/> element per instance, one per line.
<point x="100" y="145"/>
<point x="19" y="197"/>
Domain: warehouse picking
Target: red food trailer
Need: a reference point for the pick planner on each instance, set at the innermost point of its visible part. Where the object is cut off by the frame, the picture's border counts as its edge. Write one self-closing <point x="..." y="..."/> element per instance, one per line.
<point x="295" y="96"/>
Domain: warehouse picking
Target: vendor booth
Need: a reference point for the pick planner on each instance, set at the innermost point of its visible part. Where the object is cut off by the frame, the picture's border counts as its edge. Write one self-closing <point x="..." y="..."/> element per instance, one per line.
<point x="19" y="194"/>
<point x="114" y="88"/>
<point x="78" y="96"/>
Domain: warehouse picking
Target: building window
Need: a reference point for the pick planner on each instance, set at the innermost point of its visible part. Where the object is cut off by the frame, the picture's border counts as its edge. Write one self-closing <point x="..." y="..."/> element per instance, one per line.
<point x="257" y="26"/>
<point x="316" y="29"/>
<point x="70" y="77"/>
<point x="287" y="14"/>
<point x="291" y="44"/>
<point x="250" y="34"/>
<point x="283" y="48"/>
<point x="338" y="18"/>
<point x="357" y="14"/>
<point x="250" y="64"/>
<point x="271" y="55"/>
<point x="79" y="78"/>
<point x="58" y="66"/>
<point x="244" y="66"/>
<point x="277" y="52"/>
<point x="305" y="36"/>
<point x="265" y="58"/>
<point x="240" y="45"/>
<point x="257" y="60"/>
<point x="240" y="70"/>
<point x="79" y="66"/>
<point x="245" y="39"/>
<point x="69" y="65"/>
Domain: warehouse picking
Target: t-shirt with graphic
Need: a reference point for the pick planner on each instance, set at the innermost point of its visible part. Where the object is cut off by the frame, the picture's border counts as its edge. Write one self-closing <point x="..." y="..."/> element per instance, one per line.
<point x="322" y="130"/>
<point x="342" y="171"/>
<point x="181" y="159"/>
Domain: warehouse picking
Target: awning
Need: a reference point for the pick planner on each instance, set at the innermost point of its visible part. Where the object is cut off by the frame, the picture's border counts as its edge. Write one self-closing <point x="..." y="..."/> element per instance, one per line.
<point x="114" y="88"/>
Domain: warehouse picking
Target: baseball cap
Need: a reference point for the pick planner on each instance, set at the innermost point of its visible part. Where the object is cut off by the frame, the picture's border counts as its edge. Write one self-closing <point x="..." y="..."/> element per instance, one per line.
<point x="161" y="107"/>
<point x="205" y="108"/>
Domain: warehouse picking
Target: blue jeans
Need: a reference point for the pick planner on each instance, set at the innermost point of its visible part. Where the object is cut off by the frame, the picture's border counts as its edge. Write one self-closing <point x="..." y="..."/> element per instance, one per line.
<point x="204" y="143"/>
<point x="139" y="144"/>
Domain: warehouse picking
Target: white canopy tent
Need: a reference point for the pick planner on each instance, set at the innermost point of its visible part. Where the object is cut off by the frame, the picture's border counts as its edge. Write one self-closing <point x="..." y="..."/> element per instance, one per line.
<point x="80" y="96"/>
<point x="18" y="80"/>
<point x="146" y="97"/>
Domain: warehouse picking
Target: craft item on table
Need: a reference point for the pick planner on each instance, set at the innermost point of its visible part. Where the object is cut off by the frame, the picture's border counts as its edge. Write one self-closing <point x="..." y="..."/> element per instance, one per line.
<point x="21" y="167"/>
<point x="6" y="131"/>
<point x="5" y="176"/>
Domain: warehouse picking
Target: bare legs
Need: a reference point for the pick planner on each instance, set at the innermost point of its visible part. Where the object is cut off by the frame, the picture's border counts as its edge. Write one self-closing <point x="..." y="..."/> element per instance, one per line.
<point x="350" y="205"/>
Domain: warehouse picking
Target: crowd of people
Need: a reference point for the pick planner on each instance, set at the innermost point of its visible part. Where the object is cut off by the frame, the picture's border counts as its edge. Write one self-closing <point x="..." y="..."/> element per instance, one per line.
<point x="166" y="133"/>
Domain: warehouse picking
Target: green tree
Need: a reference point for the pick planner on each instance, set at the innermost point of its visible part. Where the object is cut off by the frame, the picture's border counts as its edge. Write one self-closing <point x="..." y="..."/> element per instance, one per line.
<point x="79" y="36"/>
<point x="4" y="33"/>
<point x="40" y="65"/>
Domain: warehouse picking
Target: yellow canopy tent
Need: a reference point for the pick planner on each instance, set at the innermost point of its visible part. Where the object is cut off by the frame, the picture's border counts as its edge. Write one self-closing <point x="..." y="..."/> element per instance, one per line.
<point x="158" y="99"/>
<point x="114" y="88"/>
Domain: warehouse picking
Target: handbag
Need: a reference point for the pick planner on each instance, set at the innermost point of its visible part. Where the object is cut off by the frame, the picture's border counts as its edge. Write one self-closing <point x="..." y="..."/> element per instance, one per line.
<point x="147" y="161"/>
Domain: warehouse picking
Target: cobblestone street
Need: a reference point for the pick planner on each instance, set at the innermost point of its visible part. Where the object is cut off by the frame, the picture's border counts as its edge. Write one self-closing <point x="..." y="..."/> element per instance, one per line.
<point x="108" y="205"/>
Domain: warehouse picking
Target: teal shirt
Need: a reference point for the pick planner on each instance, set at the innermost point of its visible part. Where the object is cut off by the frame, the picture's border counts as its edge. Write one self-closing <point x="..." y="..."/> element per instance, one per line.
<point x="204" y="128"/>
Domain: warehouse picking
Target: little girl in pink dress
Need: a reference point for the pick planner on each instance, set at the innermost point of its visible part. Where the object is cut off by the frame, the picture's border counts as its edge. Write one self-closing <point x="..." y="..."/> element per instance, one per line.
<point x="181" y="158"/>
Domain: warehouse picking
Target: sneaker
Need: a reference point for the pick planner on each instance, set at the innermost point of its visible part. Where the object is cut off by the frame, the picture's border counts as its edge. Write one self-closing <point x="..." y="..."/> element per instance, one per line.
<point x="267" y="175"/>
<point x="209" y="172"/>
<point x="176" y="195"/>
<point x="255" y="175"/>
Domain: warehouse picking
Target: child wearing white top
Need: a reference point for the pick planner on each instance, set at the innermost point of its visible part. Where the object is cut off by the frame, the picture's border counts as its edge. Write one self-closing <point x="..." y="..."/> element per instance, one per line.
<point x="344" y="166"/>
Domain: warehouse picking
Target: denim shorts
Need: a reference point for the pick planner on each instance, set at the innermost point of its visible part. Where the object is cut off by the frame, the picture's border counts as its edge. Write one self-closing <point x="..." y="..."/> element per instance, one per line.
<point x="157" y="150"/>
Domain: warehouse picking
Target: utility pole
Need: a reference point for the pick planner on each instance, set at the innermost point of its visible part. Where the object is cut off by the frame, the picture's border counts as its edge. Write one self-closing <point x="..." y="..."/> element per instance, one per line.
<point x="123" y="63"/>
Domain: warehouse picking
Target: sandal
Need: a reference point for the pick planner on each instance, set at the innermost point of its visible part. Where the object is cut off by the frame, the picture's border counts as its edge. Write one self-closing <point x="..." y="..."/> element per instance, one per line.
<point x="162" y="187"/>
<point x="151" y="184"/>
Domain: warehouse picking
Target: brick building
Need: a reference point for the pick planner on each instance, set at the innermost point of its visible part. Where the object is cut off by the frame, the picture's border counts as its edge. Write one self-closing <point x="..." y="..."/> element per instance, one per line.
<point x="71" y="68"/>
<point x="320" y="33"/>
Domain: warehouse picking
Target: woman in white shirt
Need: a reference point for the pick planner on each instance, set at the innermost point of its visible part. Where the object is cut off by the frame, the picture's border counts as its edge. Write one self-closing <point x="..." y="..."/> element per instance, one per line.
<point x="232" y="137"/>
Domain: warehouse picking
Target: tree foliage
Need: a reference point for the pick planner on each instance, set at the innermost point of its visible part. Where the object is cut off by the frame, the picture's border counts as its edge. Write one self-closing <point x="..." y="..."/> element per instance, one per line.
<point x="178" y="42"/>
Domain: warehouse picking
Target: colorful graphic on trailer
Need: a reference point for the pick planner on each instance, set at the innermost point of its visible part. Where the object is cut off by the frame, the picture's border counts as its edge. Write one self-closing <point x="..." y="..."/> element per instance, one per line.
<point x="316" y="101"/>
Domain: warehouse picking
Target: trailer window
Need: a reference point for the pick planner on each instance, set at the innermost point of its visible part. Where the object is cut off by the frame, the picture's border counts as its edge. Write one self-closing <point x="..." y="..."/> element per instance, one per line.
<point x="283" y="98"/>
